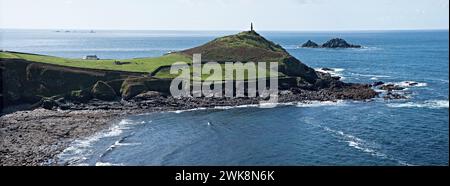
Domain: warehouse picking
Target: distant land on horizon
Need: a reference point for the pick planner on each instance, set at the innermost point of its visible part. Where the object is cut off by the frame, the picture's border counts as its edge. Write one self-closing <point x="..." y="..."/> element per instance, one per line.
<point x="212" y="30"/>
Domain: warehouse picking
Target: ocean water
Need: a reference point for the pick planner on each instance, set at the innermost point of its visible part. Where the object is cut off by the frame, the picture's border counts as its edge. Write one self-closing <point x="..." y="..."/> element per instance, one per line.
<point x="379" y="132"/>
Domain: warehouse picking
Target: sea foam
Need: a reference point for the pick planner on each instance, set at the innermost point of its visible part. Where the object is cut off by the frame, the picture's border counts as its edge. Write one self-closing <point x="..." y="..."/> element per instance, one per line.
<point x="80" y="149"/>
<point x="335" y="72"/>
<point x="106" y="164"/>
<point x="431" y="104"/>
<point x="406" y="84"/>
<point x="362" y="145"/>
<point x="321" y="103"/>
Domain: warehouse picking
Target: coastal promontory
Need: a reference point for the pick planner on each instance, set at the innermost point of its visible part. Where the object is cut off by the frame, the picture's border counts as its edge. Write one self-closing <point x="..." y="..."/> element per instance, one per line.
<point x="50" y="101"/>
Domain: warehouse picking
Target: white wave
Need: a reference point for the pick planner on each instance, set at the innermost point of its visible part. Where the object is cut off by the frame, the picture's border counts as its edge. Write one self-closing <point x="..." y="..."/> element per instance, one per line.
<point x="372" y="76"/>
<point x="116" y="130"/>
<point x="338" y="69"/>
<point x="262" y="105"/>
<point x="227" y="107"/>
<point x="366" y="48"/>
<point x="362" y="145"/>
<point x="233" y="107"/>
<point x="411" y="84"/>
<point x="83" y="164"/>
<point x="334" y="72"/>
<point x="269" y="105"/>
<point x="431" y="104"/>
<point x="99" y="164"/>
<point x="214" y="108"/>
<point x="79" y="149"/>
<point x="380" y="90"/>
<point x="407" y="84"/>
<point x="119" y="143"/>
<point x="188" y="110"/>
<point x="321" y="103"/>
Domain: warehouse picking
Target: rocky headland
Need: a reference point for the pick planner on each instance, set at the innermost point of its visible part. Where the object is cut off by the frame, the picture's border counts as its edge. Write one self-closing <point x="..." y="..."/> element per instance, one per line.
<point x="60" y="103"/>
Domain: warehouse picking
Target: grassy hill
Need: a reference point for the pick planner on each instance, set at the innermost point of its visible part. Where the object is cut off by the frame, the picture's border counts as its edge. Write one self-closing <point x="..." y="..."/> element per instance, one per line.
<point x="249" y="46"/>
<point x="243" y="47"/>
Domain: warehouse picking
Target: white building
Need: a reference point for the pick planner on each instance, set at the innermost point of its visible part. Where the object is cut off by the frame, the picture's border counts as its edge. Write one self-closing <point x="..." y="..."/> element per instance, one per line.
<point x="91" y="57"/>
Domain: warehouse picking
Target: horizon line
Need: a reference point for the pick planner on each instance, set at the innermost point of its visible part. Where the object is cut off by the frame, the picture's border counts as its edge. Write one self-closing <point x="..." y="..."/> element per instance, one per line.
<point x="236" y="30"/>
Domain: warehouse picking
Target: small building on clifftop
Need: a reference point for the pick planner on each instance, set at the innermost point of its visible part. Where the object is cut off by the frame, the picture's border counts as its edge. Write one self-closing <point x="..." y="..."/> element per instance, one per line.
<point x="91" y="57"/>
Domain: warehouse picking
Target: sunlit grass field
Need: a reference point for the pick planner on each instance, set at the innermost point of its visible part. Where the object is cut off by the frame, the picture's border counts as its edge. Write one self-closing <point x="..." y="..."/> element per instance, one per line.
<point x="142" y="65"/>
<point x="130" y="65"/>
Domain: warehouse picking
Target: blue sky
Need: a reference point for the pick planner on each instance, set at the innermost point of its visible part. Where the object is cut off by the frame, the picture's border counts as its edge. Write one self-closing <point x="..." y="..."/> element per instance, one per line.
<point x="225" y="14"/>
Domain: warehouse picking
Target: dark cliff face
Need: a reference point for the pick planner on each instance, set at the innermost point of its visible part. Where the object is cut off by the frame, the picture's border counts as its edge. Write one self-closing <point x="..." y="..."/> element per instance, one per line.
<point x="28" y="82"/>
<point x="251" y="47"/>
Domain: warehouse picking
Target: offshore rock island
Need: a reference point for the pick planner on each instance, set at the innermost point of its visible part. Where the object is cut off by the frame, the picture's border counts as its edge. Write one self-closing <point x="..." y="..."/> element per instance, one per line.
<point x="50" y="101"/>
<point x="333" y="43"/>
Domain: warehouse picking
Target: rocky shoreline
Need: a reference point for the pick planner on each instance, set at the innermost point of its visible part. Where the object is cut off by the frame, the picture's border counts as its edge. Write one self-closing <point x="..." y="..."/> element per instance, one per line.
<point x="37" y="136"/>
<point x="71" y="102"/>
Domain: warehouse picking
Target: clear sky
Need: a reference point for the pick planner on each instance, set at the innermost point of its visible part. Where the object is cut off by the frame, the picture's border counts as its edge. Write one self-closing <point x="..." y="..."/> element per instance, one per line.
<point x="225" y="14"/>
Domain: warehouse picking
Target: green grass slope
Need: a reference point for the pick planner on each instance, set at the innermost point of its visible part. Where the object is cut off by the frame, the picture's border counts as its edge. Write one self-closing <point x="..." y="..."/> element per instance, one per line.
<point x="249" y="46"/>
<point x="243" y="47"/>
<point x="130" y="65"/>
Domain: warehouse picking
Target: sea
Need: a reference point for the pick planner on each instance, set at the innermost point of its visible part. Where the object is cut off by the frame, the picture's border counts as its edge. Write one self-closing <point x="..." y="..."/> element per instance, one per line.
<point x="407" y="132"/>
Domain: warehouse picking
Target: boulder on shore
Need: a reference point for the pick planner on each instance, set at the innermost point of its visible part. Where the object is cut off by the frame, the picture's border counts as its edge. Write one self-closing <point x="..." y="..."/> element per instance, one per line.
<point x="149" y="95"/>
<point x="328" y="69"/>
<point x="391" y="87"/>
<point x="81" y="96"/>
<point x="391" y="96"/>
<point x="48" y="103"/>
<point x="132" y="87"/>
<point x="103" y="91"/>
<point x="378" y="83"/>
